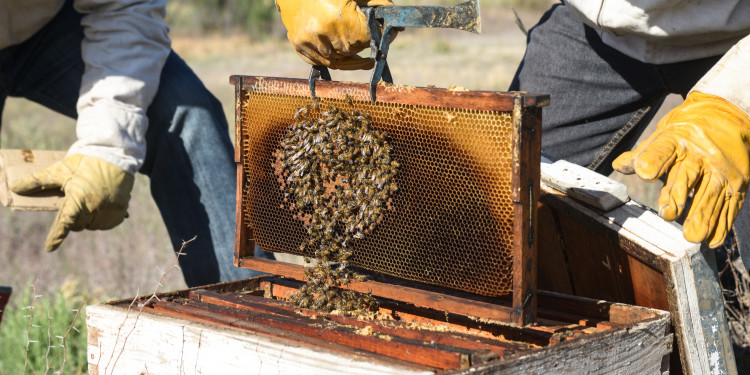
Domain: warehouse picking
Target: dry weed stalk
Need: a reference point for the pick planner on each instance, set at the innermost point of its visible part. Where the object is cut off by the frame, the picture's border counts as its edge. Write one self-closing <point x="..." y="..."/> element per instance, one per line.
<point x="65" y="336"/>
<point x="141" y="305"/>
<point x="49" y="340"/>
<point x="31" y="308"/>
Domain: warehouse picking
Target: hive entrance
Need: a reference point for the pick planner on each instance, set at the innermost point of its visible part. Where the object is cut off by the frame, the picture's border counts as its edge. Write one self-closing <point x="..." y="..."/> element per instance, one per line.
<point x="455" y="221"/>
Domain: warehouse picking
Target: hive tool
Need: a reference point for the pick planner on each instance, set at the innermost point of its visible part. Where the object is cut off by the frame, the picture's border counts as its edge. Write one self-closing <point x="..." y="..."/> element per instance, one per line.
<point x="383" y="19"/>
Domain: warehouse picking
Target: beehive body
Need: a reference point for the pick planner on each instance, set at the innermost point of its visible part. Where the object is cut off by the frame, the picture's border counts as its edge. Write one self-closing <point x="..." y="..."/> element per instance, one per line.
<point x="453" y="220"/>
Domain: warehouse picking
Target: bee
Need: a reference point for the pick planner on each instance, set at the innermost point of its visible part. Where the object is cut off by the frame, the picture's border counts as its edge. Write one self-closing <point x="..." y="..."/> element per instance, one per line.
<point x="320" y="301"/>
<point x="301" y="113"/>
<point x="304" y="302"/>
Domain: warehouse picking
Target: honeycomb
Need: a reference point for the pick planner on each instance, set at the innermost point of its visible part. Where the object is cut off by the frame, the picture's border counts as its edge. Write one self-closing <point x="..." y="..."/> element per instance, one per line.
<point x="450" y="222"/>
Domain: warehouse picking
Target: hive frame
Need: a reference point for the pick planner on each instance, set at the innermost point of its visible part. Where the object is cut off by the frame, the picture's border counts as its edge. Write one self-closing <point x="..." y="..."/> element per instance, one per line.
<point x="526" y="110"/>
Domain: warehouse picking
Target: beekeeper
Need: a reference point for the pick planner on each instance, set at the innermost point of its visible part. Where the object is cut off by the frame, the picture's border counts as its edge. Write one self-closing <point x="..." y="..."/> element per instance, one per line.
<point x="139" y="108"/>
<point x="608" y="67"/>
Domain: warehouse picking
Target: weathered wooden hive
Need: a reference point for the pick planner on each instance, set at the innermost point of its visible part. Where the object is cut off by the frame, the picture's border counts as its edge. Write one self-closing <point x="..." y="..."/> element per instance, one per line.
<point x="452" y="263"/>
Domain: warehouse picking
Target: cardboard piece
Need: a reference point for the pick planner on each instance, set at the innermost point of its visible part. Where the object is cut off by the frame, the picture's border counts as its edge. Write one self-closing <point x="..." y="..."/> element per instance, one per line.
<point x="15" y="164"/>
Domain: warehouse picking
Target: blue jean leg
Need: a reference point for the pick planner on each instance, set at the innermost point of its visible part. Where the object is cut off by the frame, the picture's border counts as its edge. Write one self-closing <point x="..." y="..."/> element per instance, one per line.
<point x="189" y="154"/>
<point x="601" y="100"/>
<point x="190" y="160"/>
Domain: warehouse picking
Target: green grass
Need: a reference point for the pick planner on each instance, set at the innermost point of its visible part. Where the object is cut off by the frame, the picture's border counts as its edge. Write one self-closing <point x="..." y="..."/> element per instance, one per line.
<point x="53" y="344"/>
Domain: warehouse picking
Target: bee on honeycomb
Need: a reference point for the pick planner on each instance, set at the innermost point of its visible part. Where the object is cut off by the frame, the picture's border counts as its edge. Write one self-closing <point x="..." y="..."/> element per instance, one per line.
<point x="337" y="175"/>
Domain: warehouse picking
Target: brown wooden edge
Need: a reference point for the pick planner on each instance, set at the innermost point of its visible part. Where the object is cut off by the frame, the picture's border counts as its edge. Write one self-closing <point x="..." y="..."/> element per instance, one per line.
<point x="586" y="216"/>
<point x="433" y="355"/>
<point x="244" y="244"/>
<point x="205" y="316"/>
<point x="525" y="194"/>
<point x="393" y="328"/>
<point x="418" y="297"/>
<point x="476" y="100"/>
<point x="238" y="121"/>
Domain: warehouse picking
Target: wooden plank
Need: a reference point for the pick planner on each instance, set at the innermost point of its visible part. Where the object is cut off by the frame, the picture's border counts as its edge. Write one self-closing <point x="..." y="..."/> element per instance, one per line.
<point x="477" y="100"/>
<point x="419" y="297"/>
<point x="651" y="290"/>
<point x="585" y="185"/>
<point x="244" y="244"/>
<point x="147" y="343"/>
<point x="698" y="311"/>
<point x="394" y="329"/>
<point x="15" y="164"/>
<point x="553" y="271"/>
<point x="284" y="288"/>
<point x="555" y="308"/>
<point x="642" y="348"/>
<point x="432" y="354"/>
<point x="609" y="224"/>
<point x="525" y="194"/>
<point x="238" y="121"/>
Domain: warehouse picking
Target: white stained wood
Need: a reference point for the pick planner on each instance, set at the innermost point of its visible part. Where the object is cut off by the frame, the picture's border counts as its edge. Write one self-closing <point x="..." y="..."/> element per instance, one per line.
<point x="641" y="348"/>
<point x="163" y="345"/>
<point x="693" y="288"/>
<point x="15" y="164"/>
<point x="699" y="312"/>
<point x="584" y="184"/>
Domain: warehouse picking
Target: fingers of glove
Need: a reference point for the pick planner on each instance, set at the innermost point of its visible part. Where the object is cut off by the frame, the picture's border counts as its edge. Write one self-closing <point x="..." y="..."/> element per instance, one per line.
<point x="48" y="179"/>
<point x="374" y="3"/>
<point x="353" y="63"/>
<point x="656" y="158"/>
<point x="624" y="162"/>
<point x="66" y="217"/>
<point x="707" y="200"/>
<point x="309" y="53"/>
<point x="108" y="218"/>
<point x="680" y="182"/>
<point x="724" y="221"/>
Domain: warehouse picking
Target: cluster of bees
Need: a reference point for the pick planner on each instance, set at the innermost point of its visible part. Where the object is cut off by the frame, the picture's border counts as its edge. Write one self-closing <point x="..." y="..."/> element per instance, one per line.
<point x="337" y="175"/>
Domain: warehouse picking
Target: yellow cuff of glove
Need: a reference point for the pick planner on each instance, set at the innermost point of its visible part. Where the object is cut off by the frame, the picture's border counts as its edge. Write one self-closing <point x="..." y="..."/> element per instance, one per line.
<point x="703" y="146"/>
<point x="96" y="194"/>
<point x="329" y="32"/>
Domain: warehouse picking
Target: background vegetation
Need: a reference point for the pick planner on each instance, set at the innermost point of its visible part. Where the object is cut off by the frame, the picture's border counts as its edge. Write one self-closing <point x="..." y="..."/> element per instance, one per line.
<point x="217" y="38"/>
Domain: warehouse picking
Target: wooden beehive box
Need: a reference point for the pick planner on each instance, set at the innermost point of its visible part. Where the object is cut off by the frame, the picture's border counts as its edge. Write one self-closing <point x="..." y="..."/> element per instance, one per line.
<point x="246" y="327"/>
<point x="468" y="182"/>
<point x="624" y="254"/>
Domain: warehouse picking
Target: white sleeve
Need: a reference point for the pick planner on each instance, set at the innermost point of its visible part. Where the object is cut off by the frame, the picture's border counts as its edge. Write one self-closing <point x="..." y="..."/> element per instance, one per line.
<point x="124" y="48"/>
<point x="730" y="77"/>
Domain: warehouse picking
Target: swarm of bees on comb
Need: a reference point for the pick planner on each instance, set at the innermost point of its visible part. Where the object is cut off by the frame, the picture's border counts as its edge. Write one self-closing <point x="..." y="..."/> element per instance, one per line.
<point x="337" y="176"/>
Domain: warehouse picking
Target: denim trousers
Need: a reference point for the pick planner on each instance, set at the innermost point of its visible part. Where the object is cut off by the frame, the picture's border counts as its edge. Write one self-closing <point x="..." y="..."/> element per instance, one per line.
<point x="189" y="157"/>
<point x="602" y="100"/>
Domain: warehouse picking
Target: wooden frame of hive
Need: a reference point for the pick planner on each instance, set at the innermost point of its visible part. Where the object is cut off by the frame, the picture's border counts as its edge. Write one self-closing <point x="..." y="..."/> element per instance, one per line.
<point x="519" y="307"/>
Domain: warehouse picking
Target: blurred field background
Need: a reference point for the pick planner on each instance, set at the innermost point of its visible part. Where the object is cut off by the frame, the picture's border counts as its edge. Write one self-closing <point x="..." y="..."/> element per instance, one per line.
<point x="217" y="38"/>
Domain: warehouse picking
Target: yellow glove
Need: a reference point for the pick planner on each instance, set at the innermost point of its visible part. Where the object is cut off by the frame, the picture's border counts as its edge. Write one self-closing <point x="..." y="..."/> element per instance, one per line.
<point x="704" y="146"/>
<point x="96" y="194"/>
<point x="329" y="32"/>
